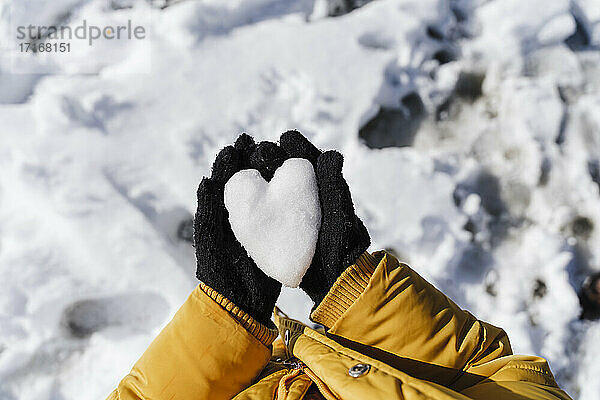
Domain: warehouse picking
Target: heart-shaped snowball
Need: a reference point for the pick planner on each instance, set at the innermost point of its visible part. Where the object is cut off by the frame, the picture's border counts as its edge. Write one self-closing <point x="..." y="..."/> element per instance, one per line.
<point x="277" y="222"/>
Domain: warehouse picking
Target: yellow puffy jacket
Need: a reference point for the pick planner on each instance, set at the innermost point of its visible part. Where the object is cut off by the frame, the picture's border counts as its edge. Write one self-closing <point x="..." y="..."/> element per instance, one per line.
<point x="390" y="335"/>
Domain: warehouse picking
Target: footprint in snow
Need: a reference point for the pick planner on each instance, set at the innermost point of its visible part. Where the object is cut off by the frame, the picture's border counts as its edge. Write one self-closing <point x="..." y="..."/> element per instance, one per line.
<point x="137" y="311"/>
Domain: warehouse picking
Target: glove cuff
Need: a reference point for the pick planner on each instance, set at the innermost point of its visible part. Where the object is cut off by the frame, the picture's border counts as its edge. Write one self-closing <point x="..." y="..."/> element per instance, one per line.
<point x="346" y="289"/>
<point x="246" y="287"/>
<point x="264" y="334"/>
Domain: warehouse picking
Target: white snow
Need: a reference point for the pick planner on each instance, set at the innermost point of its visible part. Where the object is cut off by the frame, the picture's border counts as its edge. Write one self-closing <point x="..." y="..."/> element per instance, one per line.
<point x="497" y="202"/>
<point x="588" y="13"/>
<point x="278" y="221"/>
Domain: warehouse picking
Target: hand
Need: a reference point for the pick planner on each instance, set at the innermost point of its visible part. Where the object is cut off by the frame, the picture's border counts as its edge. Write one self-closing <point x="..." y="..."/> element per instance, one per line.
<point x="343" y="237"/>
<point x="222" y="262"/>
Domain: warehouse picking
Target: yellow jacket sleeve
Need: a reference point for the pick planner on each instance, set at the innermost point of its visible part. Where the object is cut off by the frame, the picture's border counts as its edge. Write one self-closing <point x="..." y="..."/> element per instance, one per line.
<point x="384" y="309"/>
<point x="205" y="352"/>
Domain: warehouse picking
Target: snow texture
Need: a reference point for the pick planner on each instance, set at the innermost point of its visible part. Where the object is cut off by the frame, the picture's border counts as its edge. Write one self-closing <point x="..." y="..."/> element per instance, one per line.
<point x="494" y="195"/>
<point x="278" y="221"/>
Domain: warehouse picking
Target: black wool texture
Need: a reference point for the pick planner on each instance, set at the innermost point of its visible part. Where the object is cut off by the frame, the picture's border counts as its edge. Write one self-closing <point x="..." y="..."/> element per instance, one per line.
<point x="222" y="262"/>
<point x="342" y="237"/>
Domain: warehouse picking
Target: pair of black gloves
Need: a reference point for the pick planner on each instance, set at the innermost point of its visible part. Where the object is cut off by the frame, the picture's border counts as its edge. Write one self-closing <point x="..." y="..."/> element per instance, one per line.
<point x="223" y="263"/>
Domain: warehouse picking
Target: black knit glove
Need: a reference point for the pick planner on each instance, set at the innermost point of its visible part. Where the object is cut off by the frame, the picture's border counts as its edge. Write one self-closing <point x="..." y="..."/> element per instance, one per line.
<point x="343" y="237"/>
<point x="223" y="263"/>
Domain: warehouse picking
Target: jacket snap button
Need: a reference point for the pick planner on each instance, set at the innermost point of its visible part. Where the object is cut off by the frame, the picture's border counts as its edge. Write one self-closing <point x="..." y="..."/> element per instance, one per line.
<point x="358" y="370"/>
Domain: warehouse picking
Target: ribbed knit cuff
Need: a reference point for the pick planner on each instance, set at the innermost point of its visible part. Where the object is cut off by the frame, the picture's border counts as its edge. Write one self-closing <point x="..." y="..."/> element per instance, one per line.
<point x="346" y="289"/>
<point x="264" y="334"/>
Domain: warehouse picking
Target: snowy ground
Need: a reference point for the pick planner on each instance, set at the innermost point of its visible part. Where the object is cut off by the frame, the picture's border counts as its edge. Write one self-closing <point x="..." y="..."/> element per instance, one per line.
<point x="496" y="200"/>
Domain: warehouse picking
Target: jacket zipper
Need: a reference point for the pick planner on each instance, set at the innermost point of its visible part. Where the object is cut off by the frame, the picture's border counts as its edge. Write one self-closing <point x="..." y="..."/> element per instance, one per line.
<point x="297" y="367"/>
<point x="293" y="363"/>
